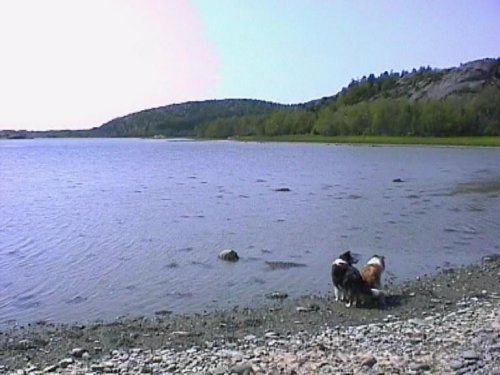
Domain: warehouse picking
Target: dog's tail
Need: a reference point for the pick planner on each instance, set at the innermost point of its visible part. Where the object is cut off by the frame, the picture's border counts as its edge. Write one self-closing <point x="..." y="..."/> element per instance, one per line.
<point x="376" y="292"/>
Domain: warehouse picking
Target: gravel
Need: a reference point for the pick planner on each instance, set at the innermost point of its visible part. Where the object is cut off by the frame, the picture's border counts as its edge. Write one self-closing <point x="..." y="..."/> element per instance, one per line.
<point x="445" y="323"/>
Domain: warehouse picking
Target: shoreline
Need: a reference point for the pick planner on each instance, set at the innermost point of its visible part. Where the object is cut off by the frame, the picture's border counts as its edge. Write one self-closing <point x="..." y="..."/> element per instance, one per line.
<point x="374" y="141"/>
<point x="465" y="141"/>
<point x="39" y="346"/>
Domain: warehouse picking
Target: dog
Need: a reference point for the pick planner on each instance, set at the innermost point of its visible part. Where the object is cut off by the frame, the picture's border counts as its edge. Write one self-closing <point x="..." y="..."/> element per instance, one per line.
<point x="340" y="268"/>
<point x="372" y="276"/>
<point x="348" y="283"/>
<point x="372" y="271"/>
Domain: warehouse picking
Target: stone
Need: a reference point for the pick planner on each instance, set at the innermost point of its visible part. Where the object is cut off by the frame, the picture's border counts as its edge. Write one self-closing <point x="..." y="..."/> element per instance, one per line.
<point x="368" y="360"/>
<point x="51" y="368"/>
<point x="271" y="335"/>
<point x="456" y="365"/>
<point x="242" y="369"/>
<point x="311" y="308"/>
<point x="78" y="352"/>
<point x="66" y="362"/>
<point x="181" y="333"/>
<point x="25" y="345"/>
<point x="494" y="348"/>
<point x="97" y="367"/>
<point x="219" y="371"/>
<point x="470" y="355"/>
<point x="86" y="356"/>
<point x="229" y="255"/>
<point x="414" y="366"/>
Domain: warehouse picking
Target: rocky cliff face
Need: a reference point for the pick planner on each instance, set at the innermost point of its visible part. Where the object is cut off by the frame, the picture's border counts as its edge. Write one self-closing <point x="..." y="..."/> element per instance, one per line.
<point x="467" y="79"/>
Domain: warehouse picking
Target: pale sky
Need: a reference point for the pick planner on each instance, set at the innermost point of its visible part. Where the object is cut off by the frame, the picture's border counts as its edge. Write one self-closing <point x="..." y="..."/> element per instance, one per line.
<point x="75" y="64"/>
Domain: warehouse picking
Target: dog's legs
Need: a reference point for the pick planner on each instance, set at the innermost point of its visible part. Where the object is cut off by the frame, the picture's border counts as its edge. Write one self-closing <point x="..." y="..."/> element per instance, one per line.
<point x="348" y="298"/>
<point x="336" y="291"/>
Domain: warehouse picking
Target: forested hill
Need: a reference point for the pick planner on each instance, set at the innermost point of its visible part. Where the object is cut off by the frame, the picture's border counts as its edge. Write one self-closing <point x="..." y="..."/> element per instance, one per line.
<point x="464" y="100"/>
<point x="458" y="101"/>
<point x="426" y="102"/>
<point x="183" y="119"/>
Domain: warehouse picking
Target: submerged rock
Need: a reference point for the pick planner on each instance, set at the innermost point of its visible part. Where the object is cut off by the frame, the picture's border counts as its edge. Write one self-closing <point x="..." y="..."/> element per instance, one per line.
<point x="277" y="295"/>
<point x="278" y="265"/>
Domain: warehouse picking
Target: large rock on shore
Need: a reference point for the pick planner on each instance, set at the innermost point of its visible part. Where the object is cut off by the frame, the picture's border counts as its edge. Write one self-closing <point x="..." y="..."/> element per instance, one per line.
<point x="229" y="255"/>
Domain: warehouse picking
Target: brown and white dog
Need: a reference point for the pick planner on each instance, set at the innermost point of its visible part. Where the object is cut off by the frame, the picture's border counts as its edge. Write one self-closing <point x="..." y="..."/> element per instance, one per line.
<point x="373" y="270"/>
<point x="372" y="273"/>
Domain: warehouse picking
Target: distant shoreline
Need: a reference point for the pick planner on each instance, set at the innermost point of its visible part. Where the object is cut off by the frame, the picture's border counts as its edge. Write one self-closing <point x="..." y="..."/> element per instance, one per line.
<point x="466" y="141"/>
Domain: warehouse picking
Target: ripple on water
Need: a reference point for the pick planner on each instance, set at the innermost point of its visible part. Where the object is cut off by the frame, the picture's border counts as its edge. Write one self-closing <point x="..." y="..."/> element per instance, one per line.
<point x="413" y="196"/>
<point x="27" y="301"/>
<point x="461" y="243"/>
<point x="114" y="220"/>
<point x="180" y="295"/>
<point x="201" y="264"/>
<point x="354" y="196"/>
<point x="475" y="208"/>
<point x="76" y="300"/>
<point x="257" y="280"/>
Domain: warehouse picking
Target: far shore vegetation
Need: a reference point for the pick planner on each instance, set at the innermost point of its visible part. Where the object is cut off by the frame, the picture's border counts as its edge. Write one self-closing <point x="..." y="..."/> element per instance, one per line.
<point x="456" y="106"/>
<point x="381" y="140"/>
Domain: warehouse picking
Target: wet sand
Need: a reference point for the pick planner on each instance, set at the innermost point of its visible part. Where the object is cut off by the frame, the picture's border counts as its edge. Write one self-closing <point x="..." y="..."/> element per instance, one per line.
<point x="39" y="345"/>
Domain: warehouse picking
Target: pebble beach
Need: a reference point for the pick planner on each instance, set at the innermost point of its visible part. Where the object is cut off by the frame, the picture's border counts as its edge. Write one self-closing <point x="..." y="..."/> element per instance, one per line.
<point x="445" y="323"/>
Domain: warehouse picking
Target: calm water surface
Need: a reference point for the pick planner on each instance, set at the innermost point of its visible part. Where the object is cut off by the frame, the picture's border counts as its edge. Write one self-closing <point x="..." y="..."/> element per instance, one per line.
<point x="95" y="229"/>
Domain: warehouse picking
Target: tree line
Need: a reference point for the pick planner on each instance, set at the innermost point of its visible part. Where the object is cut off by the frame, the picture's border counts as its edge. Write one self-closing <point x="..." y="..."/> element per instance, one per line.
<point x="384" y="105"/>
<point x="454" y="116"/>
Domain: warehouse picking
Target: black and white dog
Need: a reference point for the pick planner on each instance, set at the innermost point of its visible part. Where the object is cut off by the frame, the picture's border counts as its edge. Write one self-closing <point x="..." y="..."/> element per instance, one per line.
<point x="348" y="283"/>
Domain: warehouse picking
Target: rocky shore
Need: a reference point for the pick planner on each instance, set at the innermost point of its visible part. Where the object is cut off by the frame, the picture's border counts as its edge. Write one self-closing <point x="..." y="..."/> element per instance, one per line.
<point x="445" y="323"/>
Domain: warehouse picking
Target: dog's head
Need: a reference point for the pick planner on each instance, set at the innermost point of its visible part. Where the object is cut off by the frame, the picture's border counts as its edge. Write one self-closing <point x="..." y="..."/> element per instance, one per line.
<point x="378" y="260"/>
<point x="349" y="258"/>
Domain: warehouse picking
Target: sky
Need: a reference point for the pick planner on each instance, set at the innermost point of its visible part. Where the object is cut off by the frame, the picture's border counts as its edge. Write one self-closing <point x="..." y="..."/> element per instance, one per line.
<point x="76" y="64"/>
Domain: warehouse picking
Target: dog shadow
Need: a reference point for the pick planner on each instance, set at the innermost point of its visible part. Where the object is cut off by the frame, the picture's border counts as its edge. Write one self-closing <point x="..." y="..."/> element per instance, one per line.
<point x="394" y="300"/>
<point x="387" y="303"/>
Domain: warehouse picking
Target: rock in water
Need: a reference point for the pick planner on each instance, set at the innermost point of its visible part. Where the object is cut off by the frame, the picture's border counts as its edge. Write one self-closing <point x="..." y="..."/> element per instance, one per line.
<point x="229" y="255"/>
<point x="282" y="190"/>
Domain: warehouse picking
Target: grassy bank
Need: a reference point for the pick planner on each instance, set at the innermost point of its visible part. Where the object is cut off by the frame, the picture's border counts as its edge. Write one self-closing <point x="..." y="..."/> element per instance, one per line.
<point x="441" y="141"/>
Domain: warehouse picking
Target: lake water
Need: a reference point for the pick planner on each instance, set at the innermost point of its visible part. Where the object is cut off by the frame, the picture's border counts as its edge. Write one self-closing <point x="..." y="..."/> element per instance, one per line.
<point x="99" y="228"/>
